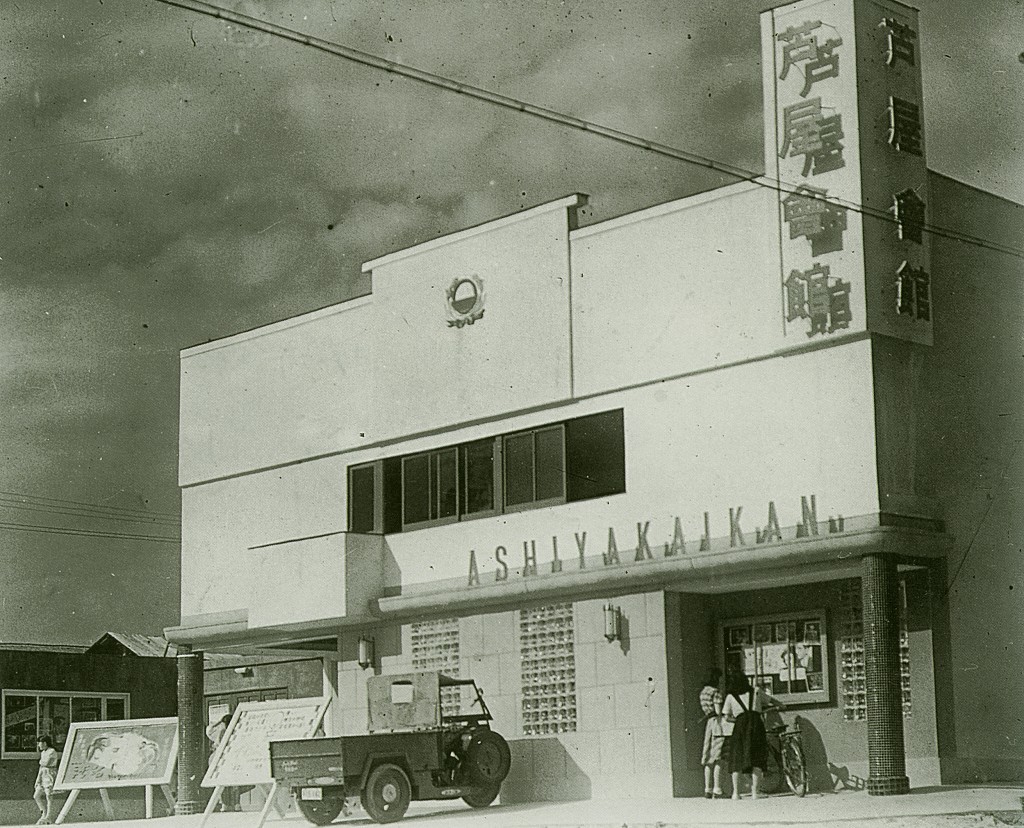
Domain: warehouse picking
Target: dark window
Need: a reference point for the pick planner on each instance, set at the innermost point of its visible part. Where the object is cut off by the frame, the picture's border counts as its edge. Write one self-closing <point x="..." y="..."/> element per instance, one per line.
<point x="519" y="469"/>
<point x="549" y="463"/>
<point x="595" y="457"/>
<point x="430" y="486"/>
<point x="534" y="466"/>
<point x="573" y="460"/>
<point x="445" y="479"/>
<point x="392" y="506"/>
<point x="476" y="464"/>
<point x="115" y="709"/>
<point x="416" y="489"/>
<point x="362" y="506"/>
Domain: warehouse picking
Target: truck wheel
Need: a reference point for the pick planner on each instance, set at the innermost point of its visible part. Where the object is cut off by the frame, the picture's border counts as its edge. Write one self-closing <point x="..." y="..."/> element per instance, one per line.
<point x="481" y="797"/>
<point x="387" y="793"/>
<point x="488" y="758"/>
<point x="323" y="812"/>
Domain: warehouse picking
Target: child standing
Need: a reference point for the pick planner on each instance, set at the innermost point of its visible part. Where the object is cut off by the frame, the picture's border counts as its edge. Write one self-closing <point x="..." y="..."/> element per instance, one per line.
<point x="43" y="794"/>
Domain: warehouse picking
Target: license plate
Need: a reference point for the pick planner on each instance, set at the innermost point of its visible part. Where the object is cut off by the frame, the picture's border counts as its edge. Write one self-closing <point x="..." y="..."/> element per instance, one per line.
<point x="311" y="794"/>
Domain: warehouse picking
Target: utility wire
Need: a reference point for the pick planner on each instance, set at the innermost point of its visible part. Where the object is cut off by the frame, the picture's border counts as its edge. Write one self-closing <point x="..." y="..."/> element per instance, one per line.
<point x="97" y="507"/>
<point x="83" y="513"/>
<point x="978" y="528"/>
<point x="88" y="533"/>
<point x="432" y="79"/>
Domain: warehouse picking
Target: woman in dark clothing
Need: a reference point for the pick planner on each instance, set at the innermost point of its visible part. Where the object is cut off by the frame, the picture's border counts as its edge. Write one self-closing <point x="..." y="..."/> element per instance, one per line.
<point x="748" y="745"/>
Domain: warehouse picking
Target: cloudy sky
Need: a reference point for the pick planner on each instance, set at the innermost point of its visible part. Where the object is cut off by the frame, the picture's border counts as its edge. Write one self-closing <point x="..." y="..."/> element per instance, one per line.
<point x="168" y="179"/>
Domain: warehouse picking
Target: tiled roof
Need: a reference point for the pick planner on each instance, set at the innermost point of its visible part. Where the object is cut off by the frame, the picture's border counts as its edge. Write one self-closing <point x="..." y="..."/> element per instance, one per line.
<point x="147" y="646"/>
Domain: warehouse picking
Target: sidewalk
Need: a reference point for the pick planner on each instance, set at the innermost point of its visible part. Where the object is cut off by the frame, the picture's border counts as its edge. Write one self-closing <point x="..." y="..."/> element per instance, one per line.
<point x="945" y="807"/>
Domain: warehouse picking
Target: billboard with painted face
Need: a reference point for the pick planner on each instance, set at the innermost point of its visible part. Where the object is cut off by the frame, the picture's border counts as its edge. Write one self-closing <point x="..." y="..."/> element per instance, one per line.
<point x="119" y="754"/>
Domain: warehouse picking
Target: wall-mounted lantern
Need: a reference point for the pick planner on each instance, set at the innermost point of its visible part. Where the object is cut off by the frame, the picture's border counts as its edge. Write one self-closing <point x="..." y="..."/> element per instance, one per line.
<point x="244" y="672"/>
<point x="612" y="622"/>
<point x="366" y="654"/>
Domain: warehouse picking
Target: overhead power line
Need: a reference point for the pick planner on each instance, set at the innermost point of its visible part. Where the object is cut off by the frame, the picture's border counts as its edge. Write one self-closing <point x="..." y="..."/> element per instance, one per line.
<point x="97" y="508"/>
<point x="439" y="81"/>
<point x="49" y="509"/>
<point x="88" y="533"/>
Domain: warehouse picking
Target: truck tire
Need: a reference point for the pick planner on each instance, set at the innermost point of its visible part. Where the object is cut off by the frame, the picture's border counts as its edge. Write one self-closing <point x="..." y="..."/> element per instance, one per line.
<point x="323" y="812"/>
<point x="487" y="759"/>
<point x="387" y="793"/>
<point x="481" y="797"/>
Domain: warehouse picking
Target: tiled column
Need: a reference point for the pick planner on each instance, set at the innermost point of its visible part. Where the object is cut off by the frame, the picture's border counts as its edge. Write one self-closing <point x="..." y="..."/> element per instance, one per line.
<point x="191" y="731"/>
<point x="887" y="768"/>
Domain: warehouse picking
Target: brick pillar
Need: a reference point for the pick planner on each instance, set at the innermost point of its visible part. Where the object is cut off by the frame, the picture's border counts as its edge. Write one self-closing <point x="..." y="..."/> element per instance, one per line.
<point x="887" y="766"/>
<point x="191" y="731"/>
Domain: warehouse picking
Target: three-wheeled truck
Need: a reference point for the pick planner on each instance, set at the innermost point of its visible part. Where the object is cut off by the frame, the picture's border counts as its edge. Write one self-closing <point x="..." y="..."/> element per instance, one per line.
<point x="414" y="750"/>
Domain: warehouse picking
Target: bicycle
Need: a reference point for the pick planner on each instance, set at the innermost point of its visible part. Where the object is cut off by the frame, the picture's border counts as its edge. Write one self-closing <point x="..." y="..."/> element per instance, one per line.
<point x="785" y="760"/>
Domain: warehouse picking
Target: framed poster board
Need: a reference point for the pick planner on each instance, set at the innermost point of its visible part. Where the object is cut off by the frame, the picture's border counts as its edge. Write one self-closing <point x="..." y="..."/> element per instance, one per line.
<point x="243" y="755"/>
<point x="118" y="754"/>
<point x="786" y="655"/>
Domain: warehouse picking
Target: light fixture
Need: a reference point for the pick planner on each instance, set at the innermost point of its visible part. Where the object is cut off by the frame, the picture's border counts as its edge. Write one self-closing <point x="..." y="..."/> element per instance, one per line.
<point x="244" y="672"/>
<point x="365" y="657"/>
<point x="612" y="622"/>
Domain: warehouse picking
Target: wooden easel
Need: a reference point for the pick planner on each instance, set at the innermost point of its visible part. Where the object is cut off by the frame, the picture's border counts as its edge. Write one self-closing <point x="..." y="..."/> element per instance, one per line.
<point x="270" y="801"/>
<point x="108" y="808"/>
<point x="270" y="788"/>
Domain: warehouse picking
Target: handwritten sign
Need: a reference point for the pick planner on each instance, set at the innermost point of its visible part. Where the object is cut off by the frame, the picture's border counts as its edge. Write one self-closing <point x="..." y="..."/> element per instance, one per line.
<point x="119" y="754"/>
<point x="243" y="755"/>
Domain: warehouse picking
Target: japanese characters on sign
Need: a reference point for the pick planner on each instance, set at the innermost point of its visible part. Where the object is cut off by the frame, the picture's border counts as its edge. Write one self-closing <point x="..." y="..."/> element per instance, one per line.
<point x="801" y="46"/>
<point x="904" y="125"/>
<point x="816" y="295"/>
<point x="822" y="223"/>
<point x="899" y="41"/>
<point x="905" y="136"/>
<point x="908" y="210"/>
<point x="845" y="143"/>
<point x="811" y="146"/>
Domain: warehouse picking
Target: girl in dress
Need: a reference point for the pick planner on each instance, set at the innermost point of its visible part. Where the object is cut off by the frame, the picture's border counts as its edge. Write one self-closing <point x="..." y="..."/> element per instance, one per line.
<point x="714" y="734"/>
<point x="748" y="745"/>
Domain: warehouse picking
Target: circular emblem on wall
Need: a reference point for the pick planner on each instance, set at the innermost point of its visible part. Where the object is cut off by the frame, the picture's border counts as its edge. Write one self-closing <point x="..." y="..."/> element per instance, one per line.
<point x="465" y="297"/>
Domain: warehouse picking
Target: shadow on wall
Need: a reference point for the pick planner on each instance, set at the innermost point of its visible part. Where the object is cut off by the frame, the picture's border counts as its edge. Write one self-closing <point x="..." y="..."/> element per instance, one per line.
<point x="822" y="775"/>
<point x="543" y="771"/>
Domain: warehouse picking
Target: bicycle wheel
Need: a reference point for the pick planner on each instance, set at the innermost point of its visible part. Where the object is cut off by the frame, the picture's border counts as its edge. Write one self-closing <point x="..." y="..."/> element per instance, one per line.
<point x="794" y="767"/>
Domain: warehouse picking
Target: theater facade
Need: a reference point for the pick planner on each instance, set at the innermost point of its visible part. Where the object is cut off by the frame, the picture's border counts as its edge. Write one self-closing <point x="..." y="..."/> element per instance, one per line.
<point x="772" y="427"/>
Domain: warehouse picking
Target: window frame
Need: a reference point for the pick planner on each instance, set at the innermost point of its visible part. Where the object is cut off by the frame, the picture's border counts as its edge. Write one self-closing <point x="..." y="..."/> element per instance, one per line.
<point x="824" y="696"/>
<point x="70" y="695"/>
<point x="378" y="496"/>
<point x="509" y="508"/>
<point x="497" y="477"/>
<point x="432" y="495"/>
<point x="396" y="523"/>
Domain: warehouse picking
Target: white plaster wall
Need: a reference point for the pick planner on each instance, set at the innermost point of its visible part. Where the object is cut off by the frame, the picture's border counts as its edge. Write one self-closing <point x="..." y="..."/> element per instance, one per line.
<point x="621" y="745"/>
<point x="680" y="287"/>
<point x="222" y="520"/>
<point x="388" y="365"/>
<point x="739" y="437"/>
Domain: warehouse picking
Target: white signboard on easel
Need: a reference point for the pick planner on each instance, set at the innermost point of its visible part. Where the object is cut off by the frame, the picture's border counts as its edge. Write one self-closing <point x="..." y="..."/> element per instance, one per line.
<point x="118" y="754"/>
<point x="243" y="755"/>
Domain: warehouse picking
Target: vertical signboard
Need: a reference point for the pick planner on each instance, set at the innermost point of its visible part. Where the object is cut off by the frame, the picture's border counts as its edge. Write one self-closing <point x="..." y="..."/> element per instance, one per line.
<point x="843" y="139"/>
<point x="811" y="149"/>
<point x="894" y="173"/>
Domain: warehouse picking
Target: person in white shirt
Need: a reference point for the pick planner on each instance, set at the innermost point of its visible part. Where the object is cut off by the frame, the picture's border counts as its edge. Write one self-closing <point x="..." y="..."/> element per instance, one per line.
<point x="748" y="742"/>
<point x="43" y="793"/>
<point x="714" y="734"/>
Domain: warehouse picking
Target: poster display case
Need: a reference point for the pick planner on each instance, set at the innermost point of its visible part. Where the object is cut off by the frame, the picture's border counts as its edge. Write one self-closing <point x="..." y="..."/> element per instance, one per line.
<point x="786" y="655"/>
